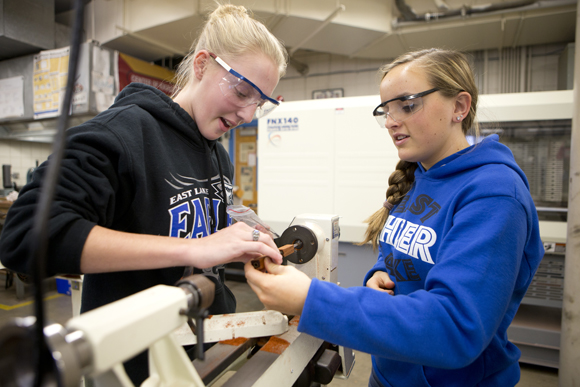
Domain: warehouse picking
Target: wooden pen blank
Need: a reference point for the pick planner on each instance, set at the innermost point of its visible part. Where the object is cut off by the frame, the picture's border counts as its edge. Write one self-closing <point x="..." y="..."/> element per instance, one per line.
<point x="285" y="250"/>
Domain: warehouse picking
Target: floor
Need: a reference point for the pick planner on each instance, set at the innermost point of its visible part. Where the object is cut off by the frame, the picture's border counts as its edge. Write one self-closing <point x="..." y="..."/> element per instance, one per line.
<point x="59" y="310"/>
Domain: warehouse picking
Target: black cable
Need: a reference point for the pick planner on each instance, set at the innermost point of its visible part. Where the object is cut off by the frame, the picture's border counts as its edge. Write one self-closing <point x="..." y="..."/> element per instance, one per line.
<point x="39" y="230"/>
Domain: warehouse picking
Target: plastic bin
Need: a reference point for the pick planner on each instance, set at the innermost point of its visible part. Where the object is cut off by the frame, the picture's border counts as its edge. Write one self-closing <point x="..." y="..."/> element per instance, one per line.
<point x="63" y="286"/>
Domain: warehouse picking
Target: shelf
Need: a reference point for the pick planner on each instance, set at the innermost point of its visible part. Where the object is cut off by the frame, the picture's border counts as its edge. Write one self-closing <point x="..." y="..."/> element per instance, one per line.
<point x="536" y="332"/>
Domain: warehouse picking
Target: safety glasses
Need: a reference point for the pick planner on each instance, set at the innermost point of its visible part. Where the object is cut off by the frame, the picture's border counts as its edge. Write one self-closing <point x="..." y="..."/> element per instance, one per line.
<point x="401" y="108"/>
<point x="240" y="91"/>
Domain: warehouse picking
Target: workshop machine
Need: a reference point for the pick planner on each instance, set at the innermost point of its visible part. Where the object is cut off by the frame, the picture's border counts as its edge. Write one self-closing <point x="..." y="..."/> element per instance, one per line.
<point x="263" y="348"/>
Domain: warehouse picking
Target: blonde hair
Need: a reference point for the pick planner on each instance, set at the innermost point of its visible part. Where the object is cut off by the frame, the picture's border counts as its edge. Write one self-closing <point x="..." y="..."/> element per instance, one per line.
<point x="450" y="72"/>
<point x="230" y="31"/>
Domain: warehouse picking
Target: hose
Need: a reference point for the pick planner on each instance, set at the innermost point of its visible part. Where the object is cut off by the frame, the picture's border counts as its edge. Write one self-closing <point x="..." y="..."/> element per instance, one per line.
<point x="39" y="229"/>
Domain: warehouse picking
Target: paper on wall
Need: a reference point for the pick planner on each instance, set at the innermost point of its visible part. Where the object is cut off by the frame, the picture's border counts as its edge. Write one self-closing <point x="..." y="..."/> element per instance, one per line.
<point x="12" y="97"/>
<point x="50" y="71"/>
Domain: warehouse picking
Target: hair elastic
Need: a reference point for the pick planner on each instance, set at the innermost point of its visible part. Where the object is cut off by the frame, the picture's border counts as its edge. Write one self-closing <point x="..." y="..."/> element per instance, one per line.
<point x="387" y="205"/>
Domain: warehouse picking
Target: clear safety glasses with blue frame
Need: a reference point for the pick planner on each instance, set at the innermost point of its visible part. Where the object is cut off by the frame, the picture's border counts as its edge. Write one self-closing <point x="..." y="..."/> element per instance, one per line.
<point x="240" y="91"/>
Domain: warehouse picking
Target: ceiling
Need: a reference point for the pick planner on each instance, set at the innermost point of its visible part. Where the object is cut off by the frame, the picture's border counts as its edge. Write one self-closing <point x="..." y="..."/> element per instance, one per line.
<point x="352" y="29"/>
<point x="373" y="29"/>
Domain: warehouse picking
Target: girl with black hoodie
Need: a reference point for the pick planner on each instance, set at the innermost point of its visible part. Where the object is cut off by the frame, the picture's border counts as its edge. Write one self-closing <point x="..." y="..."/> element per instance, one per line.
<point x="144" y="185"/>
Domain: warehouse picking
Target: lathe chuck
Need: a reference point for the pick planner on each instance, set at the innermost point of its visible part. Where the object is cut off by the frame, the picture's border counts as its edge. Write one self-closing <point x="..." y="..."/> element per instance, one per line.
<point x="304" y="241"/>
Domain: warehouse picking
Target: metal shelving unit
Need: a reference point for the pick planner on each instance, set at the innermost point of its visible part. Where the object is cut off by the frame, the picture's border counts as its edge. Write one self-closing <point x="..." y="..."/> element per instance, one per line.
<point x="542" y="149"/>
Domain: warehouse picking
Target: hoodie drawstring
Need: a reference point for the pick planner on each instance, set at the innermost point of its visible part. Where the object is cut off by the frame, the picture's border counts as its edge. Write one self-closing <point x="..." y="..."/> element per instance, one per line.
<point x="213" y="218"/>
<point x="222" y="180"/>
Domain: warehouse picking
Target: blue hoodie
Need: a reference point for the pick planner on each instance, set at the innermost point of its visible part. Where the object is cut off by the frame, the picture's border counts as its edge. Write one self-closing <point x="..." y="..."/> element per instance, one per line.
<point x="462" y="248"/>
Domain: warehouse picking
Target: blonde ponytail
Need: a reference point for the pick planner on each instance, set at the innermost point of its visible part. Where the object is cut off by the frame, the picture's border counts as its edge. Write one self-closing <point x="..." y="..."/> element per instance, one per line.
<point x="231" y="31"/>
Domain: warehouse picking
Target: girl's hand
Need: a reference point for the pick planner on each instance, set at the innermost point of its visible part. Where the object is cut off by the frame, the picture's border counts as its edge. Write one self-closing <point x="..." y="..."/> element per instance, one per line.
<point x="233" y="244"/>
<point x="382" y="282"/>
<point x="282" y="288"/>
<point x="108" y="250"/>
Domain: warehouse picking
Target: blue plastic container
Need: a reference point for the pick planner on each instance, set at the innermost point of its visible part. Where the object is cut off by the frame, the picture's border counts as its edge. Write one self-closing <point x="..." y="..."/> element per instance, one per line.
<point x="63" y="286"/>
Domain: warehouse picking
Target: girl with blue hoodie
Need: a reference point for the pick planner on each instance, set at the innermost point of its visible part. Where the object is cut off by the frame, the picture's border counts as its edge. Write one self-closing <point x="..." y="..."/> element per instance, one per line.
<point x="457" y="237"/>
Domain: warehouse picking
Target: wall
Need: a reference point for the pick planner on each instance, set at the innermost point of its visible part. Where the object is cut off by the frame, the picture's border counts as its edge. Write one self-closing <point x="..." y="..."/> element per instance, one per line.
<point x="510" y="70"/>
<point x="517" y="69"/>
<point x="356" y="77"/>
<point x="23" y="156"/>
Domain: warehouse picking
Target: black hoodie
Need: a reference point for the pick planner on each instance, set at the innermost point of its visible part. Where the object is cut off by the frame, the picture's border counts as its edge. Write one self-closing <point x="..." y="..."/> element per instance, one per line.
<point x="141" y="167"/>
